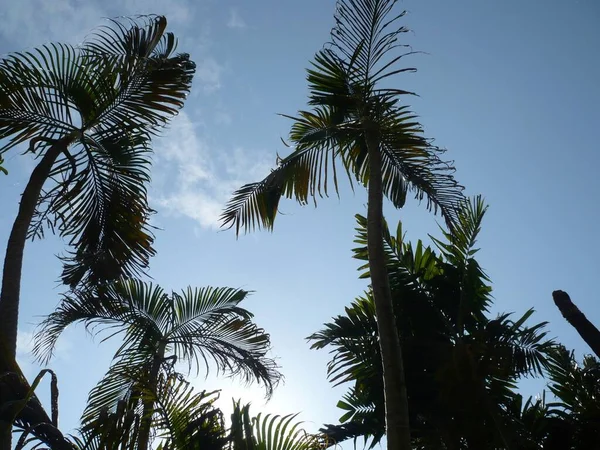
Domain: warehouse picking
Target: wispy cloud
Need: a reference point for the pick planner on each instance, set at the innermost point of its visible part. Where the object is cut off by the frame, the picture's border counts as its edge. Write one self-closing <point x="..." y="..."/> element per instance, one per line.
<point x="29" y="23"/>
<point x="235" y="19"/>
<point x="25" y="344"/>
<point x="208" y="74"/>
<point x="201" y="177"/>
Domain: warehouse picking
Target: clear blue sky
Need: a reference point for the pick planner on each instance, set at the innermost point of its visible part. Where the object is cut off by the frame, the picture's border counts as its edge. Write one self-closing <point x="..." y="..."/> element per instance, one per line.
<point x="509" y="88"/>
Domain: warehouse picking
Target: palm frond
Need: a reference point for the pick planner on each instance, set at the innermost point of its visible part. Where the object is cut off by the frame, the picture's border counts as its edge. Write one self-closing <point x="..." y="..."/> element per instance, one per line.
<point x="124" y="381"/>
<point x="186" y="419"/>
<point x="209" y="325"/>
<point x="461" y="240"/>
<point x="366" y="34"/>
<point x="362" y="413"/>
<point x="117" y="430"/>
<point x="106" y="308"/>
<point x="105" y="212"/>
<point x="304" y="173"/>
<point x="517" y="349"/>
<point x="353" y="338"/>
<point x="275" y="432"/>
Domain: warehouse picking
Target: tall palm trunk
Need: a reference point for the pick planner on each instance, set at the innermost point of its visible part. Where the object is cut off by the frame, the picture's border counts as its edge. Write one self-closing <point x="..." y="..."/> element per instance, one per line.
<point x="13" y="260"/>
<point x="586" y="329"/>
<point x="396" y="399"/>
<point x="13" y="264"/>
<point x="148" y="402"/>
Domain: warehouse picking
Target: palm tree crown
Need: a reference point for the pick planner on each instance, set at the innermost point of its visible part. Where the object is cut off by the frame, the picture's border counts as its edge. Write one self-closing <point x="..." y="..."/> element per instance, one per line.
<point x="349" y="103"/>
<point x="196" y="326"/>
<point x="93" y="109"/>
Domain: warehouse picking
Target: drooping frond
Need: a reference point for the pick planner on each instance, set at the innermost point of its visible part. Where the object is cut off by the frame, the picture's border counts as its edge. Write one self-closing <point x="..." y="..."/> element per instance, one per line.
<point x="109" y="232"/>
<point x="124" y="381"/>
<point x="309" y="171"/>
<point x="208" y="325"/>
<point x="108" y="308"/>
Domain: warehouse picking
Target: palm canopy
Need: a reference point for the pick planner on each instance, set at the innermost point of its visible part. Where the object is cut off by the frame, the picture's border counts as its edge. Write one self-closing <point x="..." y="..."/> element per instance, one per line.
<point x="462" y="386"/>
<point x="92" y="111"/>
<point x="197" y="326"/>
<point x="350" y="103"/>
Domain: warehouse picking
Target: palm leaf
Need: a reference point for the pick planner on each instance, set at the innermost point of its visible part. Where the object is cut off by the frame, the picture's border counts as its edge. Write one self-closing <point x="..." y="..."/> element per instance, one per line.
<point x="209" y="325"/>
<point x="185" y="419"/>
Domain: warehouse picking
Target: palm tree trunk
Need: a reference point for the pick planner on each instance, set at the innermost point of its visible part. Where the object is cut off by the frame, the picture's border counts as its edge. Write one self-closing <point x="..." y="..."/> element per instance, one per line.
<point x="396" y="399"/>
<point x="13" y="264"/>
<point x="585" y="328"/>
<point x="148" y="404"/>
<point x="13" y="260"/>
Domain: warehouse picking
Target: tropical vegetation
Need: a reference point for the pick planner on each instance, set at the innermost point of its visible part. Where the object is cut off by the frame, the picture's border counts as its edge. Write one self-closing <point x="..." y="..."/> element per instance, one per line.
<point x="462" y="366"/>
<point x="425" y="363"/>
<point x="87" y="115"/>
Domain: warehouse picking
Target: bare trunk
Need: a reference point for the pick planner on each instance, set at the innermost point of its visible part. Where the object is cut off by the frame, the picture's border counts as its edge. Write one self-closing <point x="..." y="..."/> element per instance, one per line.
<point x="148" y="405"/>
<point x="396" y="399"/>
<point x="586" y="329"/>
<point x="13" y="265"/>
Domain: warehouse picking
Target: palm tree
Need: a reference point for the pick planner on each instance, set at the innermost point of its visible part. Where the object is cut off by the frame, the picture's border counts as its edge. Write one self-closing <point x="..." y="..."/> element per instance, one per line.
<point x="87" y="114"/>
<point x="357" y="120"/>
<point x="196" y="326"/>
<point x="461" y="365"/>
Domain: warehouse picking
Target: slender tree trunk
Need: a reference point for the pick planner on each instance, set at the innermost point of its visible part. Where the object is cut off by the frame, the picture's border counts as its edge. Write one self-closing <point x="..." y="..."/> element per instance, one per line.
<point x="13" y="260"/>
<point x="585" y="328"/>
<point x="396" y="399"/>
<point x="147" y="404"/>
<point x="13" y="264"/>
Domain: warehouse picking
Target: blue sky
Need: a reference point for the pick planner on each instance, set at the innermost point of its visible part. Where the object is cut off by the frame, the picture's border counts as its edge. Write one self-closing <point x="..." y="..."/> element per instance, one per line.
<point x="509" y="88"/>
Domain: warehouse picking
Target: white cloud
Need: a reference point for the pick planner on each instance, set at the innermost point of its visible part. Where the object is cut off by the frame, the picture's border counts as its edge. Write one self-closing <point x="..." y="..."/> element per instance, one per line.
<point x="235" y="20"/>
<point x="25" y="345"/>
<point x="29" y="23"/>
<point x="208" y="74"/>
<point x="222" y="118"/>
<point x="189" y="182"/>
